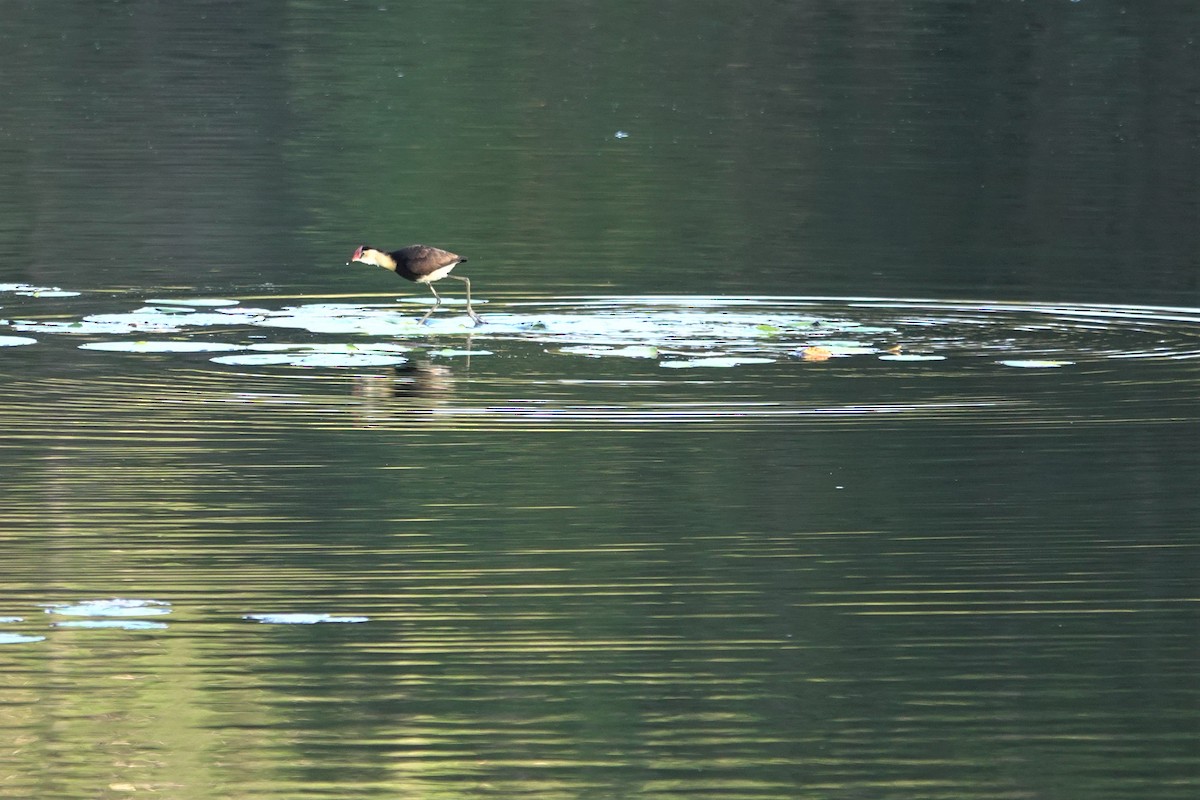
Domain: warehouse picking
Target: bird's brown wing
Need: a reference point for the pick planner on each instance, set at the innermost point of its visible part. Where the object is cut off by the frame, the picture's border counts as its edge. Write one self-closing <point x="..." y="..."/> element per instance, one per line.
<point x="422" y="260"/>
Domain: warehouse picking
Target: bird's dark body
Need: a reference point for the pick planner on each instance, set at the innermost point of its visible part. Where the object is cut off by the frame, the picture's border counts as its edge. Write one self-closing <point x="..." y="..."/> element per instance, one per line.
<point x="418" y="262"/>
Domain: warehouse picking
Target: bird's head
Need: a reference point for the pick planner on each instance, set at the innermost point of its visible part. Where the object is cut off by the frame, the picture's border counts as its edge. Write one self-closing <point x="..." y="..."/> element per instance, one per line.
<point x="365" y="254"/>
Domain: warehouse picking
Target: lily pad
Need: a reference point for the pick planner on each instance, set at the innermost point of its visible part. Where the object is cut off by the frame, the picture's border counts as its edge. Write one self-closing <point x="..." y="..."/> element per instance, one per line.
<point x="301" y="619"/>
<point x="372" y="347"/>
<point x="848" y="348"/>
<point x="348" y="360"/>
<point x="94" y="327"/>
<point x="49" y="293"/>
<point x="116" y="607"/>
<point x="29" y="290"/>
<point x="717" y="362"/>
<point x="456" y="353"/>
<point x="175" y="317"/>
<point x="1034" y="363"/>
<point x="161" y="347"/>
<point x="16" y="341"/>
<point x="120" y="624"/>
<point x="814" y="352"/>
<point x="602" y="351"/>
<point x="196" y="302"/>
<point x="362" y="359"/>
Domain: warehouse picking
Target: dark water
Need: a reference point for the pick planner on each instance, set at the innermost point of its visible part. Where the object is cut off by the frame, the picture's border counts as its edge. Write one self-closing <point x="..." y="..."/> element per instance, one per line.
<point x="833" y="430"/>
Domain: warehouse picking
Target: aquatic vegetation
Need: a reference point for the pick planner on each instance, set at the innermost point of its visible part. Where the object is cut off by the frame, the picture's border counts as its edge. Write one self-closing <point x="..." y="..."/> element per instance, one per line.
<point x="93" y="327"/>
<point x="19" y="638"/>
<point x="679" y="332"/>
<point x="717" y="362"/>
<point x="119" y="624"/>
<point x="604" y="351"/>
<point x="143" y="346"/>
<point x="815" y="353"/>
<point x="29" y="290"/>
<point x="452" y="353"/>
<point x="311" y="360"/>
<point x="910" y="357"/>
<point x="301" y="619"/>
<point x="193" y="302"/>
<point x="1033" y="363"/>
<point x="318" y="355"/>
<point x="115" y="607"/>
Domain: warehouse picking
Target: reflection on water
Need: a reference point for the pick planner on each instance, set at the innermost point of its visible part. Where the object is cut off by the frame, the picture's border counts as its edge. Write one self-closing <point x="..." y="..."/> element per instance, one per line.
<point x="571" y="570"/>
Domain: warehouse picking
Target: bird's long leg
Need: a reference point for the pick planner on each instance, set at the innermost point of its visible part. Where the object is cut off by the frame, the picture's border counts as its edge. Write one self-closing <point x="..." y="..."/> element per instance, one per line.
<point x="478" y="320"/>
<point x="437" y="302"/>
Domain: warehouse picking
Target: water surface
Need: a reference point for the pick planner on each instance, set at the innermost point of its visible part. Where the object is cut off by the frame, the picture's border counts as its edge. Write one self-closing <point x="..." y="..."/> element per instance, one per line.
<point x="831" y="433"/>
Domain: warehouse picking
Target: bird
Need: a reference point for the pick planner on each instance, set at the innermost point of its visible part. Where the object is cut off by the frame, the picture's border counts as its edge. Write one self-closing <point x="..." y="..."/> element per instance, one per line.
<point x="420" y="264"/>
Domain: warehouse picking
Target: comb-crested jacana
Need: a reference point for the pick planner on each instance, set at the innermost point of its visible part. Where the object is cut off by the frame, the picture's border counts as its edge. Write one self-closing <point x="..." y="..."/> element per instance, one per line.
<point x="420" y="264"/>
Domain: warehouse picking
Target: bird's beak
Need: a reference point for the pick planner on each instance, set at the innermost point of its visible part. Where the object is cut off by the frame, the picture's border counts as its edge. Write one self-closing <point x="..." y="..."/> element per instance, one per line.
<point x="357" y="255"/>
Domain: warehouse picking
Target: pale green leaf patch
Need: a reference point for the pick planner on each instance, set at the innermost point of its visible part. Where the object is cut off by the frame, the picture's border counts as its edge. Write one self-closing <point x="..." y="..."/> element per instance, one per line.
<point x="1033" y="363"/>
<point x="602" y="351"/>
<point x="120" y="624"/>
<point x="195" y="302"/>
<point x="116" y="607"/>
<point x="716" y="362"/>
<point x="301" y="619"/>
<point x="910" y="357"/>
<point x="161" y="347"/>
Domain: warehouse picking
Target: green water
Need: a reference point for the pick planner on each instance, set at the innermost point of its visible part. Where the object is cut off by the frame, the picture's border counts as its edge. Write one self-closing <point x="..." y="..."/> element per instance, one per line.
<point x="582" y="573"/>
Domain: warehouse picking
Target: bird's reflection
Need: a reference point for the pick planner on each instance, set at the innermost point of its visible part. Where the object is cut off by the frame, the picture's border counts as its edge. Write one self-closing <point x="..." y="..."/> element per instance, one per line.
<point x="416" y="386"/>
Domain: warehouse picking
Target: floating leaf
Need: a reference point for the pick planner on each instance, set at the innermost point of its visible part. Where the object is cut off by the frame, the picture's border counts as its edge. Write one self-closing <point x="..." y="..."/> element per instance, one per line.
<point x="207" y="302"/>
<point x="1034" y="363"/>
<point x="457" y="353"/>
<point x="29" y="290"/>
<point x="815" y="353"/>
<point x="256" y="359"/>
<point x="300" y="619"/>
<point x="120" y="624"/>
<point x="347" y="360"/>
<point x="19" y="638"/>
<point x="116" y="607"/>
<point x="717" y="362"/>
<point x="48" y="293"/>
<point x="373" y="347"/>
<point x="847" y="348"/>
<point x="113" y="327"/>
<point x="601" y="351"/>
<point x="161" y="347"/>
<point x="365" y="359"/>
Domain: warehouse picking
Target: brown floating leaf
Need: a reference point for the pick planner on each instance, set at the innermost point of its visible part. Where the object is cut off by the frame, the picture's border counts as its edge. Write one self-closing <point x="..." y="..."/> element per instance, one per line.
<point x="816" y="353"/>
